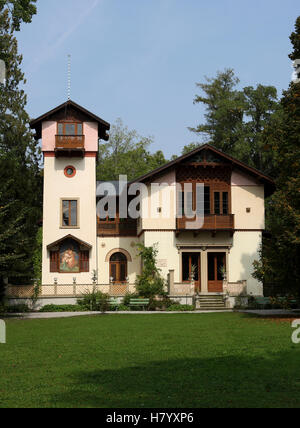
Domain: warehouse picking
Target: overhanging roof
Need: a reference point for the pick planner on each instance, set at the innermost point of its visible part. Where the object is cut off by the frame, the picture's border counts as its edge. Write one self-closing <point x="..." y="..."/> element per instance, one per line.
<point x="266" y="180"/>
<point x="66" y="107"/>
<point x="79" y="241"/>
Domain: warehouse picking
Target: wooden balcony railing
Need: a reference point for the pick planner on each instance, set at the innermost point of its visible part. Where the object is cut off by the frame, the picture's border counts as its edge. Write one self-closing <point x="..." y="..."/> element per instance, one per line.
<point x="211" y="222"/>
<point x="117" y="227"/>
<point x="69" y="141"/>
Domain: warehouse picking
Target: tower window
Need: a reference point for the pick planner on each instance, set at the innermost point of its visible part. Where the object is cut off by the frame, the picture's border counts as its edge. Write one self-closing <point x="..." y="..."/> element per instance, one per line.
<point x="69" y="128"/>
<point x="69" y="213"/>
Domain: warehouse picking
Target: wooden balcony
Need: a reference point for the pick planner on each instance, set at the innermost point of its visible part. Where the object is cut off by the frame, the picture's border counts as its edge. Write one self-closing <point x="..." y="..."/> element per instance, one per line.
<point x="211" y="222"/>
<point x="69" y="144"/>
<point x="117" y="227"/>
<point x="69" y="141"/>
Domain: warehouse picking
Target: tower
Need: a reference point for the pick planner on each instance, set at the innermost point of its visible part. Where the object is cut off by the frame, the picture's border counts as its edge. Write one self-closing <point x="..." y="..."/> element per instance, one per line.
<point x="70" y="136"/>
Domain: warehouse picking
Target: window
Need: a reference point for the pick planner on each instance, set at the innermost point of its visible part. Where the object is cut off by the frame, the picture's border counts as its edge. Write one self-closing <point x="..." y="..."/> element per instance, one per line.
<point x="221" y="203"/>
<point x="206" y="200"/>
<point x="118" y="268"/>
<point x="70" y="171"/>
<point x="69" y="258"/>
<point x="217" y="203"/>
<point x="70" y="213"/>
<point x="71" y="129"/>
<point x="225" y="203"/>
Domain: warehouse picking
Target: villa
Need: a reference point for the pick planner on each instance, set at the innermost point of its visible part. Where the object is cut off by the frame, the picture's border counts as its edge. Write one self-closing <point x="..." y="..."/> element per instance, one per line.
<point x="83" y="249"/>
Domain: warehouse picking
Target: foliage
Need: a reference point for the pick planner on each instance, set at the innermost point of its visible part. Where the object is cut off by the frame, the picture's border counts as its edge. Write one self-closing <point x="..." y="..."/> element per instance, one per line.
<point x="281" y="251"/>
<point x="126" y="153"/>
<point x="19" y="11"/>
<point x="150" y="283"/>
<point x="37" y="264"/>
<point x="95" y="301"/>
<point x="236" y="119"/>
<point x="224" y="110"/>
<point x="128" y="297"/>
<point x="123" y="308"/>
<point x="14" y="309"/>
<point x="12" y="256"/>
<point x="181" y="308"/>
<point x="20" y="176"/>
<point x="63" y="308"/>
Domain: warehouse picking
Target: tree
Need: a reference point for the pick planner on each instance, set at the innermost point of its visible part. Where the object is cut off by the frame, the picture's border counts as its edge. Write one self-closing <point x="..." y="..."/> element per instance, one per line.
<point x="236" y="119"/>
<point x="12" y="258"/>
<point x="19" y="152"/>
<point x="281" y="252"/>
<point x="261" y="109"/>
<point x="126" y="153"/>
<point x="189" y="147"/>
<point x="19" y="11"/>
<point x="224" y="110"/>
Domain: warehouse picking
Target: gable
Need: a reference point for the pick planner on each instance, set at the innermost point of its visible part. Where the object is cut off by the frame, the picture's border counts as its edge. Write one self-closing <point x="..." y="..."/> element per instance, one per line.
<point x="73" y="112"/>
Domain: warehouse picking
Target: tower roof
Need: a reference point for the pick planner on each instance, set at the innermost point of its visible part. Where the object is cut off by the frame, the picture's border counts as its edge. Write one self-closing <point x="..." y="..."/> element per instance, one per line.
<point x="65" y="110"/>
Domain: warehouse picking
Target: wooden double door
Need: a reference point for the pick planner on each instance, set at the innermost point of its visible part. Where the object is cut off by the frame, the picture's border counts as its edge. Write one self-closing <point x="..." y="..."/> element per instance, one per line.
<point x="216" y="266"/>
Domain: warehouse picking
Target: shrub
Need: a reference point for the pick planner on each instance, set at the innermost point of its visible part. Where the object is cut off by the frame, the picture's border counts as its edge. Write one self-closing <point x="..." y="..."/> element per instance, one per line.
<point x="62" y="308"/>
<point x="128" y="297"/>
<point x="161" y="304"/>
<point x="150" y="283"/>
<point x="181" y="308"/>
<point x="95" y="301"/>
<point x="123" y="308"/>
<point x="14" y="309"/>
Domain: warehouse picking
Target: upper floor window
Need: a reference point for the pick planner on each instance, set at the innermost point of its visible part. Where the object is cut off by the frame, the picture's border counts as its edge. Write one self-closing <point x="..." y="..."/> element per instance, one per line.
<point x="215" y="202"/>
<point x="221" y="203"/>
<point x="70" y="128"/>
<point x="69" y="213"/>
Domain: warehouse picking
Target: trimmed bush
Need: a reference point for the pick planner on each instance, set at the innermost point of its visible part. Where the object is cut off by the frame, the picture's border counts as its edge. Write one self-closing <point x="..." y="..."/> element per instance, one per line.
<point x="62" y="308"/>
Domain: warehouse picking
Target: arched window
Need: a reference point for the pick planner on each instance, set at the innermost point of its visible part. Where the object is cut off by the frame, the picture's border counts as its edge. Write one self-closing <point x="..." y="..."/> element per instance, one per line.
<point x="118" y="268"/>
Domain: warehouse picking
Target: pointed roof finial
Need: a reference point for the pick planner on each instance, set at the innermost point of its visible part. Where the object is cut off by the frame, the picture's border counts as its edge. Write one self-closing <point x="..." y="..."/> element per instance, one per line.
<point x="69" y="77"/>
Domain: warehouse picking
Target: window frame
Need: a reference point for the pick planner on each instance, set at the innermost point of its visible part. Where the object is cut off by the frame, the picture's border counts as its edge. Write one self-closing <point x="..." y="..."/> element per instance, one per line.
<point x="70" y="122"/>
<point x="77" y="200"/>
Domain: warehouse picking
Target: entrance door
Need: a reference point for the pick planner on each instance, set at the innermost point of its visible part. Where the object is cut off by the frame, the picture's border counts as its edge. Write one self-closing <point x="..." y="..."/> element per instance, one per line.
<point x="118" y="268"/>
<point x="191" y="268"/>
<point x="216" y="265"/>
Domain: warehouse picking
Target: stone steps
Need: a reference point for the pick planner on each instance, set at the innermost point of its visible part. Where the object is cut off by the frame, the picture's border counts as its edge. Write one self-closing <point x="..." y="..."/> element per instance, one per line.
<point x="210" y="302"/>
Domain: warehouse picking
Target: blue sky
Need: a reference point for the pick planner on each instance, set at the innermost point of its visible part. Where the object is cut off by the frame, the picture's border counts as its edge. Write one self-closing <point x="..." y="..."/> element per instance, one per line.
<point x="140" y="59"/>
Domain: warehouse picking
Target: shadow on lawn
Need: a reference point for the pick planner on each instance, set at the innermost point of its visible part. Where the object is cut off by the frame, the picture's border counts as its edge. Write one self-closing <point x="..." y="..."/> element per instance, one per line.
<point x="273" y="381"/>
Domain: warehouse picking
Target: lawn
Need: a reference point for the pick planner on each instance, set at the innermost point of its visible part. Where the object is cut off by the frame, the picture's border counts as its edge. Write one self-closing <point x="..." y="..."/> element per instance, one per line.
<point x="141" y="361"/>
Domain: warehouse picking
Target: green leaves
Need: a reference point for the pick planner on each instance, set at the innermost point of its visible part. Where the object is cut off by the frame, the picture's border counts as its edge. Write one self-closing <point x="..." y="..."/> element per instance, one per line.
<point x="150" y="283"/>
<point x="126" y="153"/>
<point x="19" y="10"/>
<point x="236" y="119"/>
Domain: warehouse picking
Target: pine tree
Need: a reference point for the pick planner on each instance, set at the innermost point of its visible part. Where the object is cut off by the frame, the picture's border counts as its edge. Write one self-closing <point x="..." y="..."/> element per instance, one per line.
<point x="236" y="119"/>
<point x="224" y="111"/>
<point x="19" y="153"/>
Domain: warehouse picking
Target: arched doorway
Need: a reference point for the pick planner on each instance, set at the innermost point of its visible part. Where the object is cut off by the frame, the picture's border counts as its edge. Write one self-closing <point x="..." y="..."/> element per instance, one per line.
<point x="118" y="268"/>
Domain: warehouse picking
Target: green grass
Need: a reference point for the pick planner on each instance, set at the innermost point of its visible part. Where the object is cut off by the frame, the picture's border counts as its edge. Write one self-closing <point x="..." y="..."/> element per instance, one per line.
<point x="200" y="360"/>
